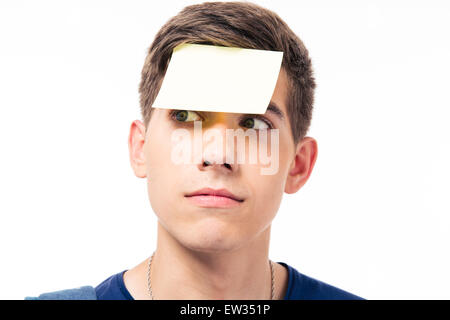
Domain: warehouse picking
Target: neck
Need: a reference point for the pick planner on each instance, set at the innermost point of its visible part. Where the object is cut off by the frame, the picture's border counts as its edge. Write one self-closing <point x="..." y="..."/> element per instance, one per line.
<point x="180" y="273"/>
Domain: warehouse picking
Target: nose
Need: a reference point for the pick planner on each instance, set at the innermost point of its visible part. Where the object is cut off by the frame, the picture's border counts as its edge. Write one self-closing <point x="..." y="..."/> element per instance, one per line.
<point x="215" y="152"/>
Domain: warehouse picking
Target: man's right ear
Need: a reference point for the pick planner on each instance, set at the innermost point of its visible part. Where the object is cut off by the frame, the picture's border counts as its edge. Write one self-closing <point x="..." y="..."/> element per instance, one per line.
<point x="136" y="141"/>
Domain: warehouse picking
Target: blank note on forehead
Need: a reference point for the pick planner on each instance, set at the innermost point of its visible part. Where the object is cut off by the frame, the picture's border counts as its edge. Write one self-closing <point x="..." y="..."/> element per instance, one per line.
<point x="219" y="79"/>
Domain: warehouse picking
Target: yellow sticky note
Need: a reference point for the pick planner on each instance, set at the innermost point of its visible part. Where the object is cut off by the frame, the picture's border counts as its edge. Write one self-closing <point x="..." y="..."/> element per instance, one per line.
<point x="219" y="79"/>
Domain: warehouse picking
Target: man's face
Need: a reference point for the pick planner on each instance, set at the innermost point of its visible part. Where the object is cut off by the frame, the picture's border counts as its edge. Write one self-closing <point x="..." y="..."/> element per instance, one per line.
<point x="214" y="228"/>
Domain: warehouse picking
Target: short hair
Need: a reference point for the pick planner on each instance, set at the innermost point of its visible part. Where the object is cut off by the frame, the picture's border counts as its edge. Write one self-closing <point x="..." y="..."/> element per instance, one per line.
<point x="233" y="24"/>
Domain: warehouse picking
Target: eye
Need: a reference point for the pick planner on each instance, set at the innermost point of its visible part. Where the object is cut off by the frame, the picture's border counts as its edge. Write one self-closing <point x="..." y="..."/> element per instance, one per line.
<point x="260" y="123"/>
<point x="184" y="115"/>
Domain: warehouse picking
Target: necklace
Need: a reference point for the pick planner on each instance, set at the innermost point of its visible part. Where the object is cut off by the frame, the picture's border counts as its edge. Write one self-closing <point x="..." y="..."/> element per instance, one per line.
<point x="149" y="285"/>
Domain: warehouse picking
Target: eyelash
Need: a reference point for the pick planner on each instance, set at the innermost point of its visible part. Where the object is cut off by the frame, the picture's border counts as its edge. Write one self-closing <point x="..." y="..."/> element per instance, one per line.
<point x="172" y="115"/>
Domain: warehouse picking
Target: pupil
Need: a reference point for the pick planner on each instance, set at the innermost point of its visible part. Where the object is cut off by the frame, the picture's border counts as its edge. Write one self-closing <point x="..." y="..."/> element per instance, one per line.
<point x="183" y="115"/>
<point x="249" y="122"/>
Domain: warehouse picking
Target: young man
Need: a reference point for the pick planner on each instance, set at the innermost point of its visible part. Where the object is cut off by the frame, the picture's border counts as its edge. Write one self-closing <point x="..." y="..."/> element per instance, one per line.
<point x="208" y="245"/>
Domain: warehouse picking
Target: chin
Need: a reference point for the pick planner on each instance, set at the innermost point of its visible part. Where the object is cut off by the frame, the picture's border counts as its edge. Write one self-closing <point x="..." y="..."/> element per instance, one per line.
<point x="211" y="239"/>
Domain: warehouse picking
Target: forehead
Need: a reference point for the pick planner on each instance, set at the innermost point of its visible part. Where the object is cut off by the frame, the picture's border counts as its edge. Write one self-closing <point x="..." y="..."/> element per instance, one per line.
<point x="220" y="79"/>
<point x="277" y="106"/>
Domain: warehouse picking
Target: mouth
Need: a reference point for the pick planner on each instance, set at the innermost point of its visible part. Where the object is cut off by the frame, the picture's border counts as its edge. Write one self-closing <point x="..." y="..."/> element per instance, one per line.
<point x="208" y="197"/>
<point x="215" y="193"/>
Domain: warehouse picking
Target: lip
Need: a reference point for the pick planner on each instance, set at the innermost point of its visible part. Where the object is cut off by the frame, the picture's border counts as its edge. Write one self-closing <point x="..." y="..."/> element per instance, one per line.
<point x="215" y="192"/>
<point x="214" y="198"/>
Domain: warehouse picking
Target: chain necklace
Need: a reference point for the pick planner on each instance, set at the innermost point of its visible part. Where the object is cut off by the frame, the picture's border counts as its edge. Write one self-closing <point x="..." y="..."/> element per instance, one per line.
<point x="149" y="285"/>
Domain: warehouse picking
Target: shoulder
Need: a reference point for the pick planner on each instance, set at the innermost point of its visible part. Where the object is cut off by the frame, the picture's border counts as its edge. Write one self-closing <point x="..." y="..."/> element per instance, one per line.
<point x="113" y="288"/>
<point x="303" y="287"/>
<point x="80" y="293"/>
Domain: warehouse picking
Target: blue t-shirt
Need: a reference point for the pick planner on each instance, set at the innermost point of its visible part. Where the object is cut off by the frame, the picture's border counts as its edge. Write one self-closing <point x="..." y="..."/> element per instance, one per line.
<point x="300" y="287"/>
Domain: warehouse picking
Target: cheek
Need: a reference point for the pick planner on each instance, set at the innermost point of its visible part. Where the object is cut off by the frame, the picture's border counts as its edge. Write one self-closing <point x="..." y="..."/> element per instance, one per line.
<point x="157" y="153"/>
<point x="161" y="173"/>
<point x="268" y="194"/>
<point x="268" y="190"/>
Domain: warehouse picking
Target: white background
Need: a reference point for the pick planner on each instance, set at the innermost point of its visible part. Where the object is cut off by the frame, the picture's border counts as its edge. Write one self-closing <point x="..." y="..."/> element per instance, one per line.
<point x="373" y="219"/>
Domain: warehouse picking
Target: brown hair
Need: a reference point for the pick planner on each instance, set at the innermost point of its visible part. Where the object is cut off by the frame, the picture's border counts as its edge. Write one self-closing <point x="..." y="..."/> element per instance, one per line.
<point x="233" y="24"/>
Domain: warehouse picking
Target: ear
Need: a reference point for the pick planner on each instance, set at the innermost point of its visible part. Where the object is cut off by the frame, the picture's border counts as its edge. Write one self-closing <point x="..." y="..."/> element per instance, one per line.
<point x="302" y="164"/>
<point x="136" y="142"/>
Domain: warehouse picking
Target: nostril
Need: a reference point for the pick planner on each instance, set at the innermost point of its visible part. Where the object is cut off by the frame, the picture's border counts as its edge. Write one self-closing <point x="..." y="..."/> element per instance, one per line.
<point x="206" y="163"/>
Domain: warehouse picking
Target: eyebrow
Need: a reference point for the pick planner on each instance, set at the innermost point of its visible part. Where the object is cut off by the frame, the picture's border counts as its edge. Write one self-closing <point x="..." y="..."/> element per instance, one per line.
<point x="275" y="110"/>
